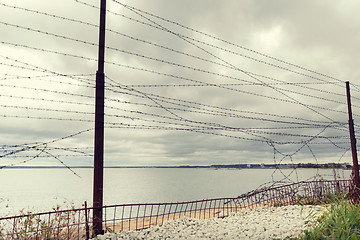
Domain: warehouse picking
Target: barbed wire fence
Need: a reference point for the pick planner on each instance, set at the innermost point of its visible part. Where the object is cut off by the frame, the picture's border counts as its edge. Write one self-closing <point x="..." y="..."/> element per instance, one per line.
<point x="168" y="90"/>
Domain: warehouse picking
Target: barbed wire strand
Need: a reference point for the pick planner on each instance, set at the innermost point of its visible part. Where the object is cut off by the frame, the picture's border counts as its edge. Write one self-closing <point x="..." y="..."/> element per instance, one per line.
<point x="200" y="70"/>
<point x="228" y="42"/>
<point x="226" y="62"/>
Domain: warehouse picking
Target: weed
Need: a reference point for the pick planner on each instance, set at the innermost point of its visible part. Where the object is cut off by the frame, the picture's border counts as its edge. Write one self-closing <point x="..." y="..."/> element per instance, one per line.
<point x="69" y="224"/>
<point x="340" y="221"/>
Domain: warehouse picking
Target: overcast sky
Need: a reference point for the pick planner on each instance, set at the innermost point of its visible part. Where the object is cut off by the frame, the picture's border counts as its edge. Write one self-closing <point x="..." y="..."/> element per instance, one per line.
<point x="188" y="82"/>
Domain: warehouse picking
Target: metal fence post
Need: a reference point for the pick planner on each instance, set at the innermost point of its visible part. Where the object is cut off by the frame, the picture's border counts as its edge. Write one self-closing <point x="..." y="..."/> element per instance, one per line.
<point x="86" y="222"/>
<point x="99" y="128"/>
<point x="352" y="137"/>
<point x="355" y="171"/>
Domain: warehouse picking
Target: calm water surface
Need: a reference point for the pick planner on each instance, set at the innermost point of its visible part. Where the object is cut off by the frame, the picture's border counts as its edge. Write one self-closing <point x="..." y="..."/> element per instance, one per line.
<point x="43" y="189"/>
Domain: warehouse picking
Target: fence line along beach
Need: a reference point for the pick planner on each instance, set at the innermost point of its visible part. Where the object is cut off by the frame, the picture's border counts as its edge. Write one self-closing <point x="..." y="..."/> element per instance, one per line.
<point x="120" y="115"/>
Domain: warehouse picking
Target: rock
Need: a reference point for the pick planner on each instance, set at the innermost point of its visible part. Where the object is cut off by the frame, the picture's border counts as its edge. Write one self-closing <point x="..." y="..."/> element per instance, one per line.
<point x="258" y="223"/>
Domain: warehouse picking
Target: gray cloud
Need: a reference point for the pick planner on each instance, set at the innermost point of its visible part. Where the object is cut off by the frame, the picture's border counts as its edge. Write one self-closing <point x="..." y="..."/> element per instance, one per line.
<point x="312" y="34"/>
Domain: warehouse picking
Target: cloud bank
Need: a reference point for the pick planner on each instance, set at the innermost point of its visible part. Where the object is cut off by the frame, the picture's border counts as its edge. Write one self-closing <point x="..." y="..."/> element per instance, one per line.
<point x="204" y="82"/>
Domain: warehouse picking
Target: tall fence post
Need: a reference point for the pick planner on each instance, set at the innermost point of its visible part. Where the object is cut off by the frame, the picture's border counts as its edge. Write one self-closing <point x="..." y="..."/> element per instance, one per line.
<point x="355" y="170"/>
<point x="99" y="128"/>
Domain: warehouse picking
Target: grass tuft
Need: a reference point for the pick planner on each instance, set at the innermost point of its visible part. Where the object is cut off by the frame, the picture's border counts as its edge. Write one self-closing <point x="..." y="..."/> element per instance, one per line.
<point x="340" y="221"/>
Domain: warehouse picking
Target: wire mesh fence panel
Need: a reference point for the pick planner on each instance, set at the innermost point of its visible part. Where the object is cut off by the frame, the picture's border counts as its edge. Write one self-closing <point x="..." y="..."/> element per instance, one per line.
<point x="77" y="223"/>
<point x="67" y="224"/>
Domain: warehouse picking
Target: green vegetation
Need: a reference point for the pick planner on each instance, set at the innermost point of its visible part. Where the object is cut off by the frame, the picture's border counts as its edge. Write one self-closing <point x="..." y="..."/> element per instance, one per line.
<point x="328" y="198"/>
<point x="340" y="221"/>
<point x="59" y="224"/>
<point x="324" y="165"/>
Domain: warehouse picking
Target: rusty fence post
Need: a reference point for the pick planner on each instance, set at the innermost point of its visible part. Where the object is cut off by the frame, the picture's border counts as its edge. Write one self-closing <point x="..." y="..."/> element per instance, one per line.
<point x="355" y="170"/>
<point x="99" y="128"/>
<point x="87" y="230"/>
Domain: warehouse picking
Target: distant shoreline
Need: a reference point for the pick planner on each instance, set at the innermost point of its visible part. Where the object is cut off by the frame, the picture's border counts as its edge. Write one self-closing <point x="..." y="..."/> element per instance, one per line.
<point x="228" y="166"/>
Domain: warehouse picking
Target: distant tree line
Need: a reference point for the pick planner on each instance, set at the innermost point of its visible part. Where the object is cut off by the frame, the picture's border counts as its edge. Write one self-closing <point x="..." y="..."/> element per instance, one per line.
<point x="299" y="165"/>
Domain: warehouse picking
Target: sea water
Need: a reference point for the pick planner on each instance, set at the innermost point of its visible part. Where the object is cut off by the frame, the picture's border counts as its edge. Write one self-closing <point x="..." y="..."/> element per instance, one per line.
<point x="40" y="190"/>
